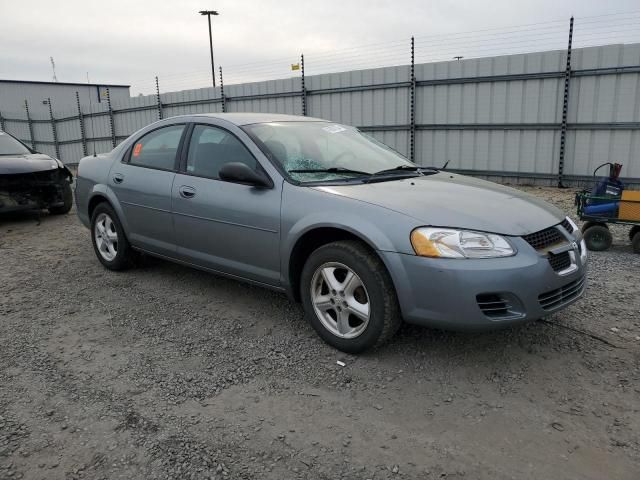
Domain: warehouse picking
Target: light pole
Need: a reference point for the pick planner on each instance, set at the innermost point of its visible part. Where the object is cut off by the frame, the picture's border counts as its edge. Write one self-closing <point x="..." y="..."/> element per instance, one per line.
<point x="208" y="13"/>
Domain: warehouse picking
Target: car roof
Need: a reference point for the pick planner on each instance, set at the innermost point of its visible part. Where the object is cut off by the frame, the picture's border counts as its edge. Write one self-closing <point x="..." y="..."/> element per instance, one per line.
<point x="247" y="118"/>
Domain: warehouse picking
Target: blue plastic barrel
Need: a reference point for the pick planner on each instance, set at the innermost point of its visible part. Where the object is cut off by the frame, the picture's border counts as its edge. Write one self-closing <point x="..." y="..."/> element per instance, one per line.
<point x="609" y="209"/>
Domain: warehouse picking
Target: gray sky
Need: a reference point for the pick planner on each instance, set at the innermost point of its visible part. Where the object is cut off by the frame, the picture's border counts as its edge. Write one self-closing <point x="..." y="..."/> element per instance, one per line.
<point x="131" y="41"/>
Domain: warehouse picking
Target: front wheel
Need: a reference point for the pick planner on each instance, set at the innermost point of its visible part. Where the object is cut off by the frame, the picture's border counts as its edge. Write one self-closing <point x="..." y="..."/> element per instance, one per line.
<point x="348" y="297"/>
<point x="67" y="197"/>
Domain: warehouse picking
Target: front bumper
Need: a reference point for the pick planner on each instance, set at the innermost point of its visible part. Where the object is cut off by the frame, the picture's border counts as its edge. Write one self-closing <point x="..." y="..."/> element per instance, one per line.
<point x="31" y="191"/>
<point x="482" y="294"/>
<point x="12" y="202"/>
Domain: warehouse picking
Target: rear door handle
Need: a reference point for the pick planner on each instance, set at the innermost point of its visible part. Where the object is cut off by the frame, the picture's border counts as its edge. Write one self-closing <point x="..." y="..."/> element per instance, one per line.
<point x="118" y="178"/>
<point x="187" y="191"/>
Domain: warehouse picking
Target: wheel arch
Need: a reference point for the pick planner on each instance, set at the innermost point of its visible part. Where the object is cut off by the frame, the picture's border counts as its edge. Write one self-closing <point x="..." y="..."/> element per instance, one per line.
<point x="311" y="240"/>
<point x="101" y="194"/>
<point x="95" y="201"/>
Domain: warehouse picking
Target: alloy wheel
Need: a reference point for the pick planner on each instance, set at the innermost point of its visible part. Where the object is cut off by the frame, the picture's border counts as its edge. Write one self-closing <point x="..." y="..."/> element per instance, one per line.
<point x="340" y="300"/>
<point x="106" y="237"/>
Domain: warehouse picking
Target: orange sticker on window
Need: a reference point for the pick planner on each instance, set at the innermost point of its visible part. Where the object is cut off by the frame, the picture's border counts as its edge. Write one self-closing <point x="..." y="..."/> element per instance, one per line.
<point x="136" y="149"/>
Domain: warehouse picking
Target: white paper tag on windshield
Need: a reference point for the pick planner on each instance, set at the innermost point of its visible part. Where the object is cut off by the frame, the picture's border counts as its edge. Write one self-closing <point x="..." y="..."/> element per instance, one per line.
<point x="334" y="129"/>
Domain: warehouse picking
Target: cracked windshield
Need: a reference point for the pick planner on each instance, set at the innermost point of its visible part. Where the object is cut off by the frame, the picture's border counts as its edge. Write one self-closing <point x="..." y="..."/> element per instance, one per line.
<point x="321" y="151"/>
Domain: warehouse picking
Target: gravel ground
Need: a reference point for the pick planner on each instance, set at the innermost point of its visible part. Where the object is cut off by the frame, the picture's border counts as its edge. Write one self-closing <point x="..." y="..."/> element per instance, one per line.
<point x="167" y="372"/>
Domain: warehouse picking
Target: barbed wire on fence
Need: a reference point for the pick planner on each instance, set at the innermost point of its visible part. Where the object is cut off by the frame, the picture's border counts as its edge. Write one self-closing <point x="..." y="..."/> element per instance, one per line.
<point x="526" y="38"/>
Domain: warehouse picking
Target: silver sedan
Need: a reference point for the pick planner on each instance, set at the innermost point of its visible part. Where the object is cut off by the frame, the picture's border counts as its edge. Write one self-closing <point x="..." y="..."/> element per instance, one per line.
<point x="362" y="237"/>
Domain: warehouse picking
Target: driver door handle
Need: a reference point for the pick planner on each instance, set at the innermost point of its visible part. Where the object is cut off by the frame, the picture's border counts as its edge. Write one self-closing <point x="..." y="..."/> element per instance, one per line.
<point x="187" y="191"/>
<point x="118" y="178"/>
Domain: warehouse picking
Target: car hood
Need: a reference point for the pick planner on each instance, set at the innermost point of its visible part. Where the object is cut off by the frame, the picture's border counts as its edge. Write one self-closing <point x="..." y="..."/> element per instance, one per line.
<point x="450" y="200"/>
<point x="29" y="163"/>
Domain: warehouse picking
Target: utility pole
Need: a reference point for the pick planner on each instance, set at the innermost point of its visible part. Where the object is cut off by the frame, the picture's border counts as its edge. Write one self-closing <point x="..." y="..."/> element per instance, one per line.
<point x="565" y="108"/>
<point x="208" y="13"/>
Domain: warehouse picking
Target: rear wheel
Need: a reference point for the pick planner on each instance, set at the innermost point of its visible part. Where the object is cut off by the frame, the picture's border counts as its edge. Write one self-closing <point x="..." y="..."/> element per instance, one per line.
<point x="632" y="233"/>
<point x="348" y="297"/>
<point x="67" y="196"/>
<point x="597" y="237"/>
<point x="108" y="238"/>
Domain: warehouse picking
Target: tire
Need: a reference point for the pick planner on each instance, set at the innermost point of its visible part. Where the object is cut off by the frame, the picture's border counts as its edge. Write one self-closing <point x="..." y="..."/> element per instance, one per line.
<point x="369" y="292"/>
<point x="67" y="195"/>
<point x="632" y="233"/>
<point x="598" y="238"/>
<point x="635" y="242"/>
<point x="107" y="230"/>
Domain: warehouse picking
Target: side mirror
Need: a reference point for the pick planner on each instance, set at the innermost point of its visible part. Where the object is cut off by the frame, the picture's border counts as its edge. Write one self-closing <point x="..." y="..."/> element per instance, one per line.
<point x="238" y="172"/>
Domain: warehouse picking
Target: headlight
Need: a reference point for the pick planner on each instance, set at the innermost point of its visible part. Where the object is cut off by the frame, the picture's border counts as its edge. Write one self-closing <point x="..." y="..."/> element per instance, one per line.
<point x="450" y="243"/>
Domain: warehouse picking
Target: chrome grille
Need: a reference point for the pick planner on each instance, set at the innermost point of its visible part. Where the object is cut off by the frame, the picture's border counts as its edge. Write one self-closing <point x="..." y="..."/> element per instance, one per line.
<point x="544" y="238"/>
<point x="560" y="262"/>
<point x="548" y="237"/>
<point x="561" y="296"/>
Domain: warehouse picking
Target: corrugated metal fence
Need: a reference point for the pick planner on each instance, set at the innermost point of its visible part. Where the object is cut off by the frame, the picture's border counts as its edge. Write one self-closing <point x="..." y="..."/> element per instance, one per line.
<point x="506" y="116"/>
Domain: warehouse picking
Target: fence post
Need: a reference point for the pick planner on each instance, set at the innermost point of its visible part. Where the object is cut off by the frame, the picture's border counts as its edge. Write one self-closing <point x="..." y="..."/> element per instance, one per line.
<point x="158" y="99"/>
<point x="412" y="106"/>
<point x="54" y="130"/>
<point x="224" y="100"/>
<point x="2" y="123"/>
<point x="113" y="132"/>
<point x="30" y="123"/>
<point x="304" y="90"/>
<point x="83" y="133"/>
<point x="565" y="108"/>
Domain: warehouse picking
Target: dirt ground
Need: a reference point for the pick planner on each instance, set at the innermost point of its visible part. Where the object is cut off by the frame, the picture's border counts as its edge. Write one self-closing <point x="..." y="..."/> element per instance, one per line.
<point x="167" y="372"/>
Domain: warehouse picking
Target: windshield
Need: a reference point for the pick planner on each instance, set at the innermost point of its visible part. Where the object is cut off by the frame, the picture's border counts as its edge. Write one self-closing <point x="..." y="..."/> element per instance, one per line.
<point x="11" y="146"/>
<point x="323" y="146"/>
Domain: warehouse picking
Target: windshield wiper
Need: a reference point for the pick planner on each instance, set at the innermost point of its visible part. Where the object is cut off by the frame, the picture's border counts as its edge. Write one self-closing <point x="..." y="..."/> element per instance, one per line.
<point x="328" y="170"/>
<point x="412" y="170"/>
<point x="405" y="168"/>
<point x="400" y="170"/>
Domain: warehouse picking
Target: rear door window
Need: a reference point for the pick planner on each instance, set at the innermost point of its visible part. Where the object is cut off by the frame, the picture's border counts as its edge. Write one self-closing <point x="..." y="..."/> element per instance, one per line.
<point x="157" y="149"/>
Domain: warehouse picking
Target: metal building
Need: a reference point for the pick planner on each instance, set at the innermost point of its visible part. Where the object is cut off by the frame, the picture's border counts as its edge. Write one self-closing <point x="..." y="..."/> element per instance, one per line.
<point x="13" y="94"/>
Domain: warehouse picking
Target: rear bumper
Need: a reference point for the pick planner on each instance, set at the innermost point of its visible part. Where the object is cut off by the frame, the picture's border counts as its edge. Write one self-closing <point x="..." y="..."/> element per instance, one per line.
<point x="82" y="201"/>
<point x="463" y="294"/>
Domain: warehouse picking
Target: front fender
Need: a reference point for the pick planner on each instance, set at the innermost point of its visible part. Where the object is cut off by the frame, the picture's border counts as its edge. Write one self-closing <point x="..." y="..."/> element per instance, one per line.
<point x="368" y="231"/>
<point x="306" y="209"/>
